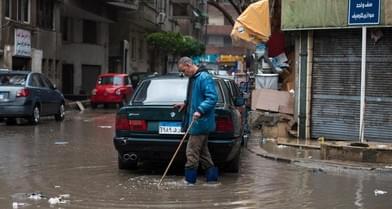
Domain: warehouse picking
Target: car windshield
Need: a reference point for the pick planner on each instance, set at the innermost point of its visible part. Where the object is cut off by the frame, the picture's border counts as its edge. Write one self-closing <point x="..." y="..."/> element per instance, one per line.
<point x="12" y="79"/>
<point x="110" y="80"/>
<point x="165" y="92"/>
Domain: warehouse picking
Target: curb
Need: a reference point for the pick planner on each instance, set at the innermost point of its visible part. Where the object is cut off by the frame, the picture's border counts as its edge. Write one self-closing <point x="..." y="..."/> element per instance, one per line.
<point x="262" y="153"/>
<point x="320" y="165"/>
<point x="74" y="104"/>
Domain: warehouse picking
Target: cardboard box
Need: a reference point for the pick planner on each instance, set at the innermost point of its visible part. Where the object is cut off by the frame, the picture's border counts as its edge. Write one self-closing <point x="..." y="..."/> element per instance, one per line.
<point x="272" y="100"/>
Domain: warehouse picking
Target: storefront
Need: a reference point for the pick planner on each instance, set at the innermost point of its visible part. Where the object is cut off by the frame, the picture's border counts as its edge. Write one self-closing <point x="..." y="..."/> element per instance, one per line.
<point x="328" y="92"/>
<point x="231" y="64"/>
<point x="336" y="84"/>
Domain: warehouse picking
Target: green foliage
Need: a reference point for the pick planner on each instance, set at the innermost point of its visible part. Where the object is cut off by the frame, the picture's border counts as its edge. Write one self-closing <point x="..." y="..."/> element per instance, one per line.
<point x="176" y="44"/>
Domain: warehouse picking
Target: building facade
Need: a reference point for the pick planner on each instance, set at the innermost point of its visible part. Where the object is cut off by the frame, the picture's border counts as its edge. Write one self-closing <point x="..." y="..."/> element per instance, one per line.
<point x="73" y="41"/>
<point x="219" y="43"/>
<point x="85" y="44"/>
<point x="30" y="36"/>
<point x="328" y="50"/>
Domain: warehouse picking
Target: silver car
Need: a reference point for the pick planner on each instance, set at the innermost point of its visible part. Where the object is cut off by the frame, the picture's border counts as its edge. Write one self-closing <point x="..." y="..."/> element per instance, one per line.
<point x="29" y="95"/>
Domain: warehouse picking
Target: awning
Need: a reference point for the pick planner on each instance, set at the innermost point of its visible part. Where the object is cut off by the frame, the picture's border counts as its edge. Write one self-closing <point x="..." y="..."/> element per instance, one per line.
<point x="71" y="10"/>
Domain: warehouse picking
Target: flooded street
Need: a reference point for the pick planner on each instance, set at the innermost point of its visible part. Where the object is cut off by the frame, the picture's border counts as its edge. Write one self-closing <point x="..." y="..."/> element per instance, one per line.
<point x="73" y="165"/>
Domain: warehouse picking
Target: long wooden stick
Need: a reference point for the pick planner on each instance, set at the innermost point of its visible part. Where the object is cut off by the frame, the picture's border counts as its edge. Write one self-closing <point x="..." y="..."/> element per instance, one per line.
<point x="178" y="148"/>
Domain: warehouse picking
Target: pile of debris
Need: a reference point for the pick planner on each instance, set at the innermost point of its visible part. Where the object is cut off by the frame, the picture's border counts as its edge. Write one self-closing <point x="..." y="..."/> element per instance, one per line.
<point x="272" y="113"/>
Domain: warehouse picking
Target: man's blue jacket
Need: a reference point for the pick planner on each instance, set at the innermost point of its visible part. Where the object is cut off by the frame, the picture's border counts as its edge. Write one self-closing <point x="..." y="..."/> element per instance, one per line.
<point x="201" y="97"/>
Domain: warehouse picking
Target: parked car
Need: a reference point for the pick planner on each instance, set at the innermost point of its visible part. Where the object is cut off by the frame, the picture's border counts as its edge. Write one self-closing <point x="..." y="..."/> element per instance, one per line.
<point x="236" y="95"/>
<point x="149" y="129"/>
<point x="111" y="88"/>
<point x="137" y="77"/>
<point x="29" y="95"/>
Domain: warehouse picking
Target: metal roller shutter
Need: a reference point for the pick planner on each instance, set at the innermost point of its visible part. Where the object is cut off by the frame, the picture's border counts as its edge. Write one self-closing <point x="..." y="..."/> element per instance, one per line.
<point x="336" y="85"/>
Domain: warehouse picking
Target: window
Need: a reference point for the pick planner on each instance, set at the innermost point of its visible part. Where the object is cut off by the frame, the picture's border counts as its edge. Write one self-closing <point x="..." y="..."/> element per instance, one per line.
<point x="36" y="81"/>
<point x="126" y="80"/>
<point x="141" y="49"/>
<point x="89" y="32"/>
<point x="110" y="80"/>
<point x="227" y="41"/>
<point x="64" y="28"/>
<point x="45" y="13"/>
<point x="162" y="6"/>
<point x="23" y="10"/>
<point x="47" y="82"/>
<point x="155" y="92"/>
<point x="8" y="8"/>
<point x="12" y="79"/>
<point x="180" y="9"/>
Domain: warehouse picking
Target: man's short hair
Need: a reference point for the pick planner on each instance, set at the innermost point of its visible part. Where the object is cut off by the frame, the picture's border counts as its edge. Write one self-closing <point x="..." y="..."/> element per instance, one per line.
<point x="185" y="60"/>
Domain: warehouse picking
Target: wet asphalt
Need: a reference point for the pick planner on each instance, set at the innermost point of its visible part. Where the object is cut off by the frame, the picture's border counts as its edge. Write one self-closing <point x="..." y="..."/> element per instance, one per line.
<point x="73" y="165"/>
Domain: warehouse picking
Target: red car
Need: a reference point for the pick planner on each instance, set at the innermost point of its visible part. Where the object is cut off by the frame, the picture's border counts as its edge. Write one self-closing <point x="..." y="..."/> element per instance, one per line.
<point x="111" y="88"/>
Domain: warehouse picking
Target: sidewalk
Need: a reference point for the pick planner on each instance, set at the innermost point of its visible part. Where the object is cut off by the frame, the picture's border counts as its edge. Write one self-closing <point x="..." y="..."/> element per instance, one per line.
<point x="307" y="154"/>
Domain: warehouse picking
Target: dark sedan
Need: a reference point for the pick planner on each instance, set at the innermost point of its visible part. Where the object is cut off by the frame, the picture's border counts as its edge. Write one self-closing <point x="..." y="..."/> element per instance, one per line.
<point x="29" y="95"/>
<point x="149" y="129"/>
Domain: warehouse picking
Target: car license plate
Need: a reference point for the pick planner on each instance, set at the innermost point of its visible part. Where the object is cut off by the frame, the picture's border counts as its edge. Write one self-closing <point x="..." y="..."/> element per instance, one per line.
<point x="170" y="128"/>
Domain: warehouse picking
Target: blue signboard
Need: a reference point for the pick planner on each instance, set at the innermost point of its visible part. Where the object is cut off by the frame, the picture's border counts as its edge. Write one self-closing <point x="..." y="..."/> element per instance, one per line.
<point x="206" y="58"/>
<point x="364" y="12"/>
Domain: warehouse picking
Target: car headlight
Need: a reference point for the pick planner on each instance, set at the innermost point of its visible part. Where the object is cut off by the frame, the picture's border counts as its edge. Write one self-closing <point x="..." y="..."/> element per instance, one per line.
<point x="118" y="92"/>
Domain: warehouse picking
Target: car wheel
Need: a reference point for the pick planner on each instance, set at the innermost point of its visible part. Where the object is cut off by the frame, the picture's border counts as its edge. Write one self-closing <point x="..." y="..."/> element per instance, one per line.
<point x="60" y="115"/>
<point x="35" y="117"/>
<point x="126" y="165"/>
<point x="93" y="105"/>
<point x="234" y="165"/>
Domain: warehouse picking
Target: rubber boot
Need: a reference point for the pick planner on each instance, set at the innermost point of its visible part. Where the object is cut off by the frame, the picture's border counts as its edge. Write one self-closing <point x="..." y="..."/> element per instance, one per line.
<point x="190" y="175"/>
<point x="212" y="174"/>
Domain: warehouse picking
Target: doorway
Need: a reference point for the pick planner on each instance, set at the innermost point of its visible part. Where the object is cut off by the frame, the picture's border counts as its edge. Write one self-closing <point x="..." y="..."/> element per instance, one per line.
<point x="21" y="63"/>
<point x="89" y="76"/>
<point x="68" y="78"/>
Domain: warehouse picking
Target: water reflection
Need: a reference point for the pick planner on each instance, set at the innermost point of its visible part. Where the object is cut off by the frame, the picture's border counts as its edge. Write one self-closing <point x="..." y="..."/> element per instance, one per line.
<point x="86" y="168"/>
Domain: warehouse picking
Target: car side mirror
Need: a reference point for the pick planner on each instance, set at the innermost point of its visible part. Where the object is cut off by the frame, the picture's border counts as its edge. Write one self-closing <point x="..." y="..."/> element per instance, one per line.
<point x="239" y="101"/>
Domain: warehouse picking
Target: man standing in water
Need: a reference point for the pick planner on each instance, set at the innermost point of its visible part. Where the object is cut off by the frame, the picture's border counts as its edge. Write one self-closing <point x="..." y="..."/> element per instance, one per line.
<point x="200" y="107"/>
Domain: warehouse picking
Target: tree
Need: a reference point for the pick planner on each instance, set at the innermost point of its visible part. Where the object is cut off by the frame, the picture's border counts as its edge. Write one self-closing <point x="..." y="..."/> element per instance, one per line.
<point x="175" y="44"/>
<point x="239" y="6"/>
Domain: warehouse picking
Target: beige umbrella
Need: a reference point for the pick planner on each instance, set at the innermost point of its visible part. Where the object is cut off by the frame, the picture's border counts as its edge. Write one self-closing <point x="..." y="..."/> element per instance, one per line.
<point x="253" y="25"/>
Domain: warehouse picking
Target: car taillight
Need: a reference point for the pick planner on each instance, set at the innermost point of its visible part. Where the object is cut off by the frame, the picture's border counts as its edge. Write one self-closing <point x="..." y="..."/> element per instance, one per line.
<point x="137" y="125"/>
<point x="22" y="93"/>
<point x="224" y="124"/>
<point x="94" y="92"/>
<point x="118" y="92"/>
<point x="122" y="123"/>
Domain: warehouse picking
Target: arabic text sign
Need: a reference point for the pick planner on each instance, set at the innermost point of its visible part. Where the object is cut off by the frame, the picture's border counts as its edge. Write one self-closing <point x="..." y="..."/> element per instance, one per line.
<point x="22" y="42"/>
<point x="364" y="12"/>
